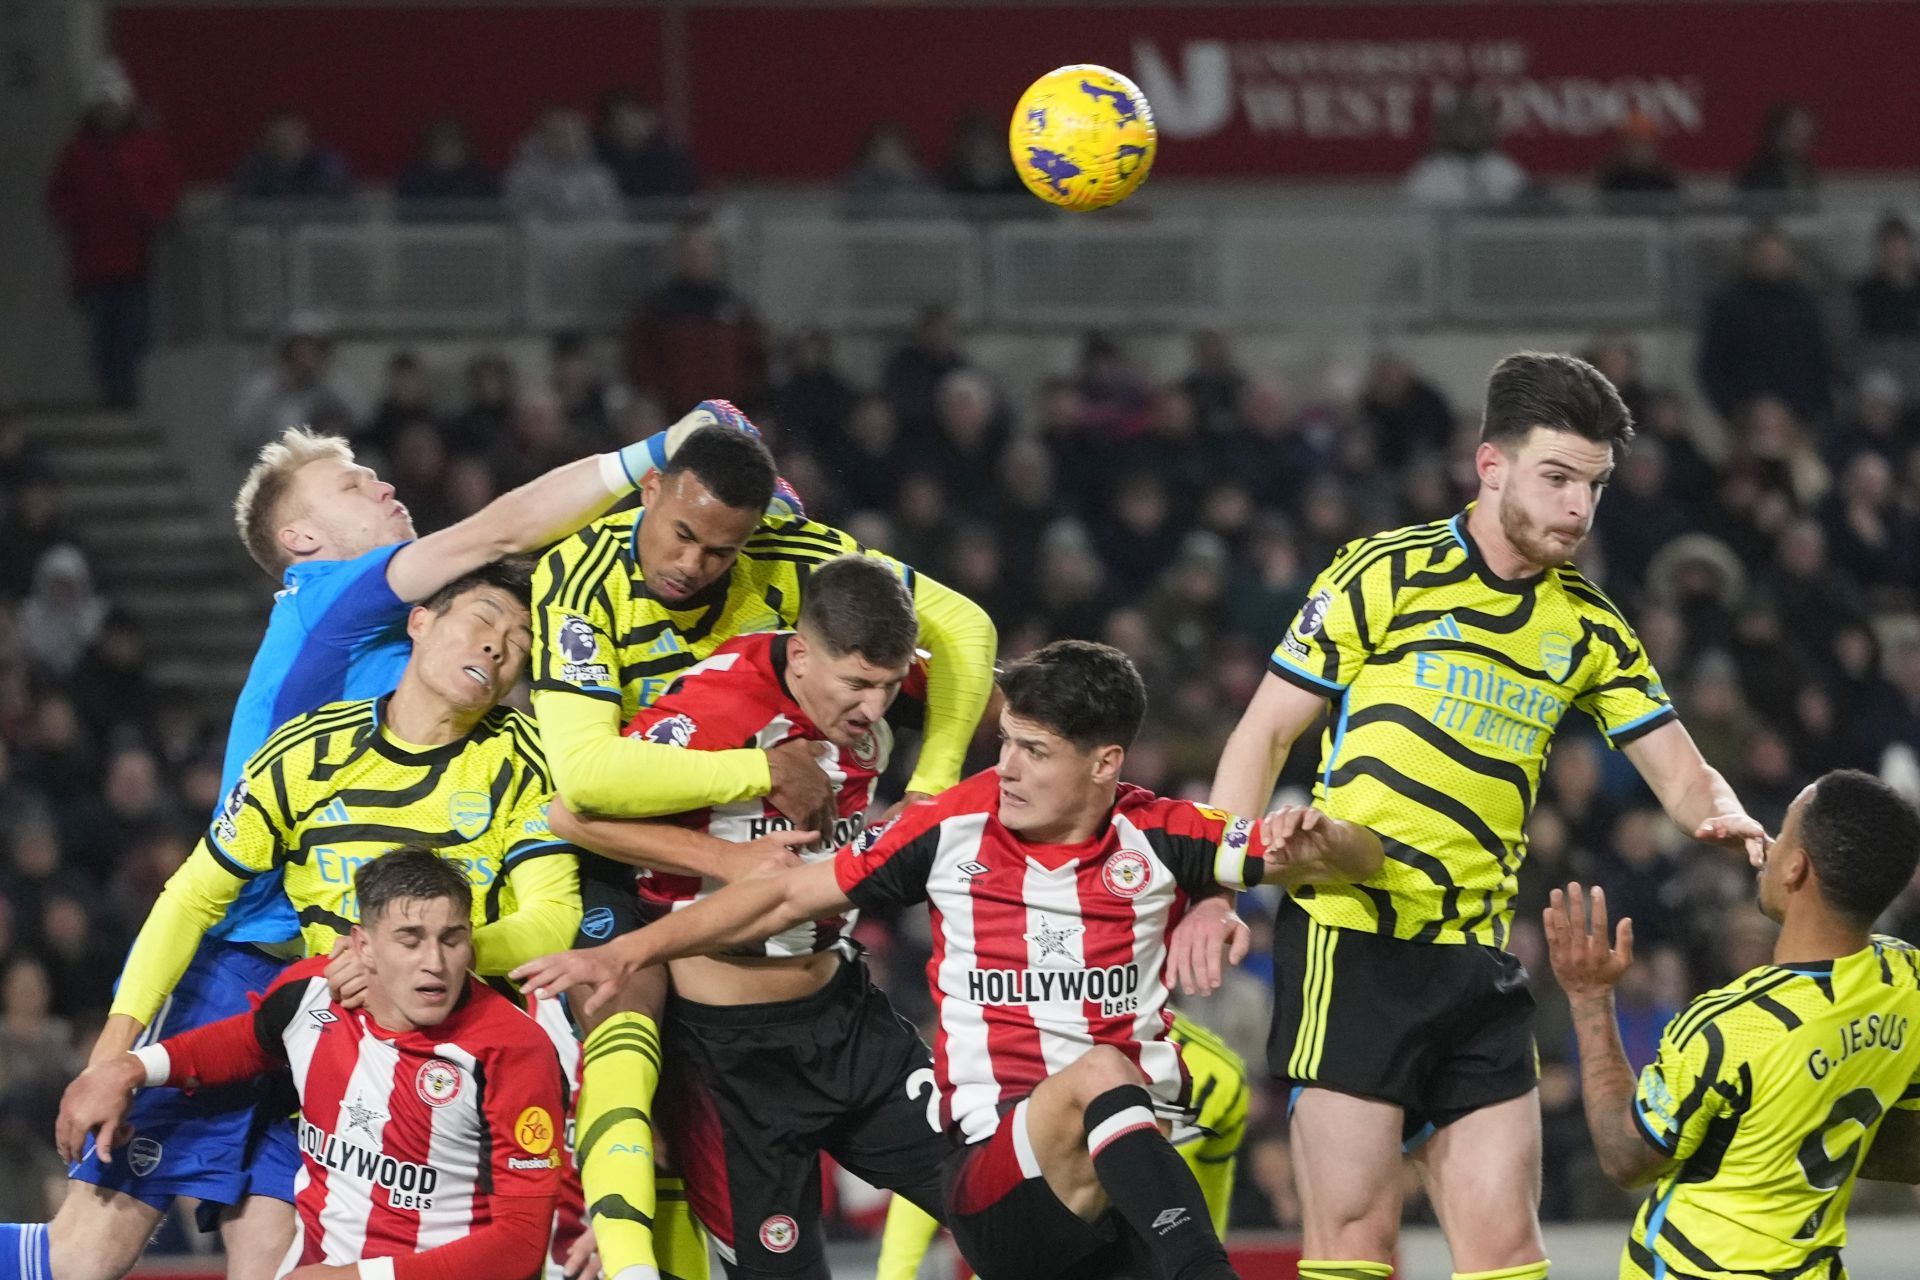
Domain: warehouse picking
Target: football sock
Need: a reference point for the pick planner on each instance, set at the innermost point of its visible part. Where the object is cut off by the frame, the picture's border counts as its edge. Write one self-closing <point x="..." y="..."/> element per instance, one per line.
<point x="909" y="1233"/>
<point x="677" y="1236"/>
<point x="1530" y="1271"/>
<point x="1315" y="1269"/>
<point x="619" y="1071"/>
<point x="1151" y="1186"/>
<point x="26" y="1252"/>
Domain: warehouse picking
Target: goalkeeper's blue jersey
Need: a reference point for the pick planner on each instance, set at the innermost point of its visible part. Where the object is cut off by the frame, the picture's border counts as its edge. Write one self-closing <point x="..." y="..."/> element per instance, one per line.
<point x="337" y="632"/>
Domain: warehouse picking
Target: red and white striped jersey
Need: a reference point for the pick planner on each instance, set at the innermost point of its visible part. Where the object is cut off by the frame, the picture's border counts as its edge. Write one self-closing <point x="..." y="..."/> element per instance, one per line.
<point x="406" y="1137"/>
<point x="738" y="698"/>
<point x="1040" y="951"/>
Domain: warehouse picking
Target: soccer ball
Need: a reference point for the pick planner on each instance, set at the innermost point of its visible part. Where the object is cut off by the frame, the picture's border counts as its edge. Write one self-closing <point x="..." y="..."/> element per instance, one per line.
<point x="1083" y="137"/>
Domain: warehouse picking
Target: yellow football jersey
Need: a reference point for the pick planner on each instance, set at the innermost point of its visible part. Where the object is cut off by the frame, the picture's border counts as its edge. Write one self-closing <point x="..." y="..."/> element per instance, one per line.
<point x="1767" y="1093"/>
<point x="333" y="789"/>
<point x="598" y="631"/>
<point x="1449" y="683"/>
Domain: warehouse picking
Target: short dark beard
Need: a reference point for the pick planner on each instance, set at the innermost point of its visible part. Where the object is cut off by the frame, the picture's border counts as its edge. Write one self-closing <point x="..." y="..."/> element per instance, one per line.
<point x="1533" y="550"/>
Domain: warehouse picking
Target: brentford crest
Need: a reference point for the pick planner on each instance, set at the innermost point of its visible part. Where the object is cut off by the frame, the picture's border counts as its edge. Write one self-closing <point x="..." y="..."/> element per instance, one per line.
<point x="779" y="1233"/>
<point x="438" y="1082"/>
<point x="1126" y="874"/>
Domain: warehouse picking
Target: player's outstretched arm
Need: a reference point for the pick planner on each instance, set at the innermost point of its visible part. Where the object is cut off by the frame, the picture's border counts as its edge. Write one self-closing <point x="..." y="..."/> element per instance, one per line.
<point x="1693" y="793"/>
<point x="962" y="641"/>
<point x="544" y="510"/>
<point x="601" y="773"/>
<point x="678" y="850"/>
<point x="1588" y="967"/>
<point x="196" y="897"/>
<point x="96" y="1103"/>
<point x="745" y="911"/>
<point x="1895" y="1153"/>
<point x="1257" y="748"/>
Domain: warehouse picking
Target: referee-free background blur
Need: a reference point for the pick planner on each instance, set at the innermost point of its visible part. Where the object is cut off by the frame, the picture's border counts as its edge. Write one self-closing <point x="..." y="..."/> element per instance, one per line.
<point x="483" y="238"/>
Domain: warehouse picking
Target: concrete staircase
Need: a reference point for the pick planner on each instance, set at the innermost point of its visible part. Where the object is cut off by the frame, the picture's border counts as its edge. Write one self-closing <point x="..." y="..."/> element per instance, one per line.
<point x="158" y="549"/>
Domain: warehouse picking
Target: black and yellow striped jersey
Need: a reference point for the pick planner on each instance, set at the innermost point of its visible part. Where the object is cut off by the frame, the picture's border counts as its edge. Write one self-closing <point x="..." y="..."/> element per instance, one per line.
<point x="1449" y="683"/>
<point x="1766" y="1095"/>
<point x="1221" y="1098"/>
<point x="598" y="631"/>
<point x="335" y="788"/>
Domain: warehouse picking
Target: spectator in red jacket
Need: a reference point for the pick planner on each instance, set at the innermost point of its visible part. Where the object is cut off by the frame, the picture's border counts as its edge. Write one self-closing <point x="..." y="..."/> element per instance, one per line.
<point x="113" y="188"/>
<point x="695" y="336"/>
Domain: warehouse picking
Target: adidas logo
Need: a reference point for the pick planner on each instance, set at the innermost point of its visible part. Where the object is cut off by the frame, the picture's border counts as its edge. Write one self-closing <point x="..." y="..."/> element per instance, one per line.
<point x="1446" y="629"/>
<point x="336" y="811"/>
<point x="669" y="642"/>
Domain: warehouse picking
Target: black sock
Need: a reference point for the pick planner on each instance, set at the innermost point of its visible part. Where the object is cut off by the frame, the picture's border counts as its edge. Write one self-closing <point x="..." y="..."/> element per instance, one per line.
<point x="1151" y="1186"/>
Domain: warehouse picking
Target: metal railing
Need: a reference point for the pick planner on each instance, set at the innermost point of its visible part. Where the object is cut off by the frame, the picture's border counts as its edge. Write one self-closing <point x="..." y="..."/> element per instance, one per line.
<point x="1390" y="271"/>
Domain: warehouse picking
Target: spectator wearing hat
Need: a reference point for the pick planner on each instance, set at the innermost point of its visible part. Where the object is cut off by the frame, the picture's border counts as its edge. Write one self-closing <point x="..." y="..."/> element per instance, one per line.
<point x="114" y="186"/>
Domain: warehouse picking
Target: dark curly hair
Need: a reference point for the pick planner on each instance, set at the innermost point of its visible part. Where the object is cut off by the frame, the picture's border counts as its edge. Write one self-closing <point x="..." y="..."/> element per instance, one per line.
<point x="1863" y="839"/>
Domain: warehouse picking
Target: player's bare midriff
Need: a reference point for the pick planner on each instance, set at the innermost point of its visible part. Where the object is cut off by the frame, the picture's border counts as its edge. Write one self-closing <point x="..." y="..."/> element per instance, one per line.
<point x="752" y="979"/>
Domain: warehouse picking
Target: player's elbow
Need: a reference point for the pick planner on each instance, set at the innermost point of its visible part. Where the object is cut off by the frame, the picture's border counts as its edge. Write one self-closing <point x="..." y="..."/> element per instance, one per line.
<point x="1629" y="1167"/>
<point x="564" y="822"/>
<point x="581" y="790"/>
<point x="523" y="1252"/>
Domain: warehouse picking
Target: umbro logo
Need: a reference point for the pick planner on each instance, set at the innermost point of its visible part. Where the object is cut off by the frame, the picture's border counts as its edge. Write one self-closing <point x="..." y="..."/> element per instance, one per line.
<point x="335" y="811"/>
<point x="1446" y="629"/>
<point x="323" y="1016"/>
<point x="972" y="869"/>
<point x="1168" y="1219"/>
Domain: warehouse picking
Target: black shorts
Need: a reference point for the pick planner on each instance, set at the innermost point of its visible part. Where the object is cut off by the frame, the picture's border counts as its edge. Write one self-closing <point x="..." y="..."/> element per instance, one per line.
<point x="753" y="1094"/>
<point x="609" y="900"/>
<point x="1437" y="1029"/>
<point x="1009" y="1225"/>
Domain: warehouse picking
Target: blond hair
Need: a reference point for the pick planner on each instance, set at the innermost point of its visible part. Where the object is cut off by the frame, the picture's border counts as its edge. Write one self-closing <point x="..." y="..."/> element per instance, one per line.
<point x="257" y="510"/>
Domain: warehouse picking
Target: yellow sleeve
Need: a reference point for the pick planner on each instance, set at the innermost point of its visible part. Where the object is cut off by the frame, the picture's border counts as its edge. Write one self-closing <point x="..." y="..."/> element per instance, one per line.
<point x="1330" y="638"/>
<point x="1624" y="694"/>
<point x="241" y="843"/>
<point x="1676" y="1099"/>
<point x="195" y="899"/>
<point x="960" y="637"/>
<point x="544" y="885"/>
<point x="601" y="774"/>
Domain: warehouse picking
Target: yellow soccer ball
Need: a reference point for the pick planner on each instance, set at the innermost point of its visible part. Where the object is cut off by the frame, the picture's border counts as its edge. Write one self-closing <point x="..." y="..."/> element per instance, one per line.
<point x="1083" y="137"/>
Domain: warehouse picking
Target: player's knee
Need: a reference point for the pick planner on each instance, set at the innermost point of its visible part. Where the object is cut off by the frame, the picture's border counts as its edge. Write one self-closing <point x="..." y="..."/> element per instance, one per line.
<point x="1104" y="1067"/>
<point x="93" y="1246"/>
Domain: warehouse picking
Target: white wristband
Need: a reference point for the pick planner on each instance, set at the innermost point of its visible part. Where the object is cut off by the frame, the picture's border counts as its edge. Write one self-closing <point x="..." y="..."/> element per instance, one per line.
<point x="613" y="474"/>
<point x="157" y="1061"/>
<point x="376" y="1269"/>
